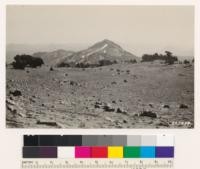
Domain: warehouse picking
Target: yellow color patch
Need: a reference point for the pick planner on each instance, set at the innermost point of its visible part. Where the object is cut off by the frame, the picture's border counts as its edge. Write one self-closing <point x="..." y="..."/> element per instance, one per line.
<point x="115" y="152"/>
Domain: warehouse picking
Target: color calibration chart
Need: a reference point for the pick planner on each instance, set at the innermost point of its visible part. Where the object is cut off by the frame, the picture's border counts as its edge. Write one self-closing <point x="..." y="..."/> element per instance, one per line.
<point x="98" y="151"/>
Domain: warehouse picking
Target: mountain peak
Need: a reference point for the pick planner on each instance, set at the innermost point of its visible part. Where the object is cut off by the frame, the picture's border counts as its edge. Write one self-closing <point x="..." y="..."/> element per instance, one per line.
<point x="106" y="43"/>
<point x="105" y="50"/>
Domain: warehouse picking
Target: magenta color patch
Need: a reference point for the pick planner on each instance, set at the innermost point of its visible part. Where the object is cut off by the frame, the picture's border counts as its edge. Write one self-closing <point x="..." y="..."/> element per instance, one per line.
<point x="82" y="152"/>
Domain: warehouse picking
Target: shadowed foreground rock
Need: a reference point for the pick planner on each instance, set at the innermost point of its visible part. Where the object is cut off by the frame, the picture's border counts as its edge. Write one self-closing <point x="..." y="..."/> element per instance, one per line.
<point x="148" y="114"/>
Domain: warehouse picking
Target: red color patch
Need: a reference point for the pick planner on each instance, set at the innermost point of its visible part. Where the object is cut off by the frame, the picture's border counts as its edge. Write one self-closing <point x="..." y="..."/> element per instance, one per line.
<point x="99" y="152"/>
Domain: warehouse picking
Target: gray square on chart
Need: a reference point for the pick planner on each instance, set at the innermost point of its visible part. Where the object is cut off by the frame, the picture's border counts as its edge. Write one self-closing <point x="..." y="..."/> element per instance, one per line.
<point x="89" y="140"/>
<point x="120" y="140"/>
<point x="104" y="140"/>
<point x="148" y="140"/>
<point x="134" y="140"/>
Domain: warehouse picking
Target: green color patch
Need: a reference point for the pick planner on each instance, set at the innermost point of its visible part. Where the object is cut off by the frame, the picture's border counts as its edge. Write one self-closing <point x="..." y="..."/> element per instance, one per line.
<point x="131" y="152"/>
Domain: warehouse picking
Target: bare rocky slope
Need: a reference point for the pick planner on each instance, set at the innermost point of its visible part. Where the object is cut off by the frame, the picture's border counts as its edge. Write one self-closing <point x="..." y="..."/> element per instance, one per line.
<point x="105" y="50"/>
<point x="142" y="95"/>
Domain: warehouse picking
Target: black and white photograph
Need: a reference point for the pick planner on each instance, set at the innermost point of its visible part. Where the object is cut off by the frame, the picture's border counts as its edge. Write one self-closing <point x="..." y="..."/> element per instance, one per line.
<point x="100" y="66"/>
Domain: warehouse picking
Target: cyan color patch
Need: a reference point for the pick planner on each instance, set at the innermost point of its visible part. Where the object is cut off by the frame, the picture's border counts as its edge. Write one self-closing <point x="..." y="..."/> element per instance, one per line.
<point x="147" y="152"/>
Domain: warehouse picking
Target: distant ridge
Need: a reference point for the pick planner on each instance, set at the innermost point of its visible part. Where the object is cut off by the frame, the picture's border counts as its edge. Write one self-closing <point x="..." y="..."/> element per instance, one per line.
<point x="54" y="57"/>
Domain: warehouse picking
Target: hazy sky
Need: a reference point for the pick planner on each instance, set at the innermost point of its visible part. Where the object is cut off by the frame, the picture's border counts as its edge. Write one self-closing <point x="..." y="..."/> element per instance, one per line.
<point x="138" y="29"/>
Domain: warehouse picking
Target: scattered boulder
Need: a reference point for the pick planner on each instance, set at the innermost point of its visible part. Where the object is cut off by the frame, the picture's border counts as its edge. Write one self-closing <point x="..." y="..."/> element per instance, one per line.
<point x="51" y="69"/>
<point x="136" y="114"/>
<point x="32" y="100"/>
<point x="151" y="105"/>
<point x="14" y="108"/>
<point x="125" y="81"/>
<point x="148" y="113"/>
<point x="98" y="105"/>
<point x="121" y="110"/>
<point x="163" y="123"/>
<point x="108" y="107"/>
<point x="10" y="102"/>
<point x="118" y="70"/>
<point x="16" y="93"/>
<point x="124" y="121"/>
<point x="11" y="98"/>
<point x="73" y="83"/>
<point x="166" y="106"/>
<point x="118" y="124"/>
<point x="114" y="101"/>
<point x="113" y="83"/>
<point x="49" y="123"/>
<point x="183" y="106"/>
<point x="135" y="76"/>
<point x="109" y="119"/>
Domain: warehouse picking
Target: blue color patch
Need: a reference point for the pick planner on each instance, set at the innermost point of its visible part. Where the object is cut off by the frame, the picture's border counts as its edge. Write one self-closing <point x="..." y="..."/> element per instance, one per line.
<point x="147" y="152"/>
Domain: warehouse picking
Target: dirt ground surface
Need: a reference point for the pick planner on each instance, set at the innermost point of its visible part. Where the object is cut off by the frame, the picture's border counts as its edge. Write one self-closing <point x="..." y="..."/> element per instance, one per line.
<point x="142" y="95"/>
